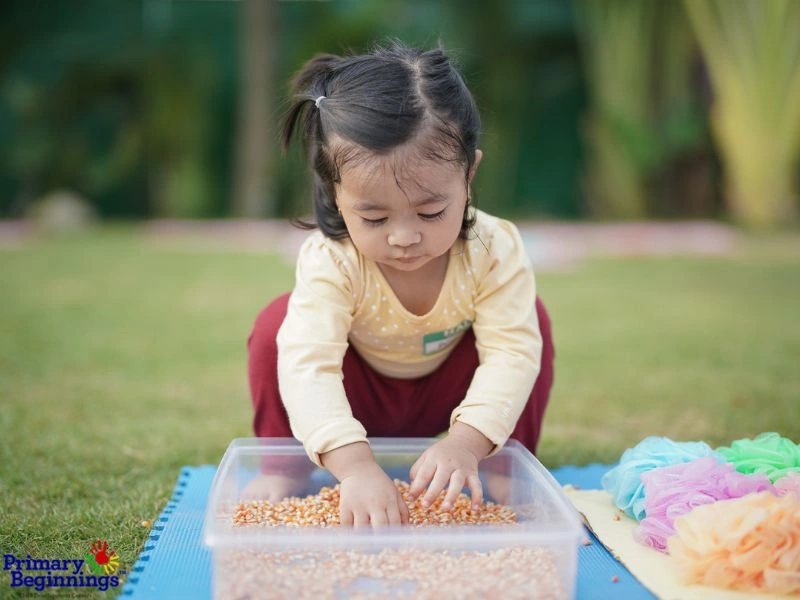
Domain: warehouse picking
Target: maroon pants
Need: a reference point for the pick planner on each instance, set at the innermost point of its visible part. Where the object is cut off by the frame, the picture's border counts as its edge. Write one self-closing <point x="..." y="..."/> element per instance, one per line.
<point x="386" y="406"/>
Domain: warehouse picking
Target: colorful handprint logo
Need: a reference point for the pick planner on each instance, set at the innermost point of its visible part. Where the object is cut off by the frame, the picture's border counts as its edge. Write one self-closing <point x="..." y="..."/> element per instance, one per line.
<point x="100" y="559"/>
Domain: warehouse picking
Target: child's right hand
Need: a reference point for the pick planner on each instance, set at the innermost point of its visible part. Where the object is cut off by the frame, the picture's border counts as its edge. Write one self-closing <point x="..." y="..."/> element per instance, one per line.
<point x="369" y="497"/>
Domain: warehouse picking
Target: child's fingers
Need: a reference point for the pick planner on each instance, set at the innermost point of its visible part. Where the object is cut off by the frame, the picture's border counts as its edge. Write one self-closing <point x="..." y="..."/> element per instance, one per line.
<point x="360" y="519"/>
<point x="346" y="517"/>
<point x="475" y="490"/>
<point x="438" y="483"/>
<point x="402" y="509"/>
<point x="393" y="515"/>
<point x="421" y="479"/>
<point x="405" y="517"/>
<point x="412" y="472"/>
<point x="379" y="518"/>
<point x="457" y="480"/>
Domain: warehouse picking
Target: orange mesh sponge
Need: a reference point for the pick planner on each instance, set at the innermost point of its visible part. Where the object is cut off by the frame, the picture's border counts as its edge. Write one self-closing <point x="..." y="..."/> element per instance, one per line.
<point x="750" y="544"/>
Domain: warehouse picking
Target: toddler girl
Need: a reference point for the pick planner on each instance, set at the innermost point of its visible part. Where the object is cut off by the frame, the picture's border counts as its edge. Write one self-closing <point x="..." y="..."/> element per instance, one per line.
<point x="413" y="312"/>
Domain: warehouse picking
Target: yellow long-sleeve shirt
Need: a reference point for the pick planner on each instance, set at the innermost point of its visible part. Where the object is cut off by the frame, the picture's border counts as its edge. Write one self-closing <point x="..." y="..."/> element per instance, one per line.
<point x="341" y="298"/>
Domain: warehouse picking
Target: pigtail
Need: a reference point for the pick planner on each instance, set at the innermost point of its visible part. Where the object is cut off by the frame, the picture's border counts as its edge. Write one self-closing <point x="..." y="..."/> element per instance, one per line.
<point x="303" y="119"/>
<point x="308" y="84"/>
<point x="320" y="65"/>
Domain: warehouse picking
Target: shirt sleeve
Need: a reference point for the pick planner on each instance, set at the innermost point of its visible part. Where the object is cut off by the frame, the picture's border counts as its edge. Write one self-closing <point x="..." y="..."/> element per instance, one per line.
<point x="311" y="345"/>
<point x="507" y="339"/>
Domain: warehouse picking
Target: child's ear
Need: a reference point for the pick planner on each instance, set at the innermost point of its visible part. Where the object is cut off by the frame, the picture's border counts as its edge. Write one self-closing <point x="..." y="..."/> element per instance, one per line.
<point x="478" y="158"/>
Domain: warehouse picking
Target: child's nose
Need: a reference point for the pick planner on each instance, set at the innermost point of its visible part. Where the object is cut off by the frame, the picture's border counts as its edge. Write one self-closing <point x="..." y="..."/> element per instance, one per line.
<point x="404" y="237"/>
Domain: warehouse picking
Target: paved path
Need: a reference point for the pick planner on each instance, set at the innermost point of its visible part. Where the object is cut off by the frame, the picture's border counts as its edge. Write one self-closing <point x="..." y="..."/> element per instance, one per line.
<point x="552" y="246"/>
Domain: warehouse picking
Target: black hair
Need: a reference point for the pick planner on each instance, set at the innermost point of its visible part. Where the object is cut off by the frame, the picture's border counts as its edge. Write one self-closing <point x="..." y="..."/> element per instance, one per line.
<point x="372" y="104"/>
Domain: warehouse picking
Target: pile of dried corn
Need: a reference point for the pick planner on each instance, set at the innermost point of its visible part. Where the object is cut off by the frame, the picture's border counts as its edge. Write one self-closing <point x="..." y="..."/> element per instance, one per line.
<point x="318" y="573"/>
<point x="322" y="510"/>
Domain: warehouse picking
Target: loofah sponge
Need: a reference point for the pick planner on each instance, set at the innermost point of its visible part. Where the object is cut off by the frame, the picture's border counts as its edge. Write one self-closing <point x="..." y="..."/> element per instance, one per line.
<point x="675" y="490"/>
<point x="624" y="481"/>
<point x="750" y="544"/>
<point x="768" y="453"/>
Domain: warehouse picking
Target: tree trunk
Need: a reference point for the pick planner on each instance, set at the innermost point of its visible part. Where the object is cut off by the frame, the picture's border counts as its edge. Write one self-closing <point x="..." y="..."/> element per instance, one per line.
<point x="761" y="176"/>
<point x="753" y="57"/>
<point x="254" y="139"/>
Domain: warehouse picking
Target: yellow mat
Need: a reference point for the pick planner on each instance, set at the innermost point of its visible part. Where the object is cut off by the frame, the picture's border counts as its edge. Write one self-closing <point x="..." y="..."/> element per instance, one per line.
<point x="655" y="570"/>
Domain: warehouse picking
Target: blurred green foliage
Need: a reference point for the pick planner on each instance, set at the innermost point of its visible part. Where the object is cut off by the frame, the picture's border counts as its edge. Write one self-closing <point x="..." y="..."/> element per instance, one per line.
<point x="752" y="50"/>
<point x="647" y="141"/>
<point x="133" y="103"/>
<point x="110" y="100"/>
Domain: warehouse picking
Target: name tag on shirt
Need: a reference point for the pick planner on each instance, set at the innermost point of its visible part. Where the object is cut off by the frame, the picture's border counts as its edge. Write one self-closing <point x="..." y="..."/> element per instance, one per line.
<point x="438" y="340"/>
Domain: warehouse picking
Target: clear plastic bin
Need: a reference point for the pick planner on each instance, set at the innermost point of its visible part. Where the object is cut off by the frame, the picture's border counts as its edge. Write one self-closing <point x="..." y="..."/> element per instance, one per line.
<point x="535" y="558"/>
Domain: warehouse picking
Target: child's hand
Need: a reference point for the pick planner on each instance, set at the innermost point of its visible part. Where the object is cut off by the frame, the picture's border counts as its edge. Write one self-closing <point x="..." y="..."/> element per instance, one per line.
<point x="370" y="497"/>
<point x="455" y="460"/>
<point x="367" y="495"/>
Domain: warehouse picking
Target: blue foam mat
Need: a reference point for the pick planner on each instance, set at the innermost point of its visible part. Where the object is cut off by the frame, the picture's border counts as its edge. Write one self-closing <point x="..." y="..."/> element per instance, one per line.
<point x="174" y="563"/>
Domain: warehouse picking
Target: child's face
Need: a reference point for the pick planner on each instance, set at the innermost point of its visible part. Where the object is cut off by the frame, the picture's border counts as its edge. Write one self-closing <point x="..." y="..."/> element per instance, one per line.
<point x="403" y="217"/>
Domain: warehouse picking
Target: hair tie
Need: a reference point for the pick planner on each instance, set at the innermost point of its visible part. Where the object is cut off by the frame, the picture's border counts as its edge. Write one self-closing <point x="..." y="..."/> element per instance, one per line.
<point x="318" y="100"/>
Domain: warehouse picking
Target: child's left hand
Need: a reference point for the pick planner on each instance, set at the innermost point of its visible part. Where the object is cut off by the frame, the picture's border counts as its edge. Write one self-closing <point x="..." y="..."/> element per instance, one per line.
<point x="453" y="459"/>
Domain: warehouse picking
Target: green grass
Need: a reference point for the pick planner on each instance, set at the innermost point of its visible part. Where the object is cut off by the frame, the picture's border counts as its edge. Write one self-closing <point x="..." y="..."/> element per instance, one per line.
<point x="121" y="361"/>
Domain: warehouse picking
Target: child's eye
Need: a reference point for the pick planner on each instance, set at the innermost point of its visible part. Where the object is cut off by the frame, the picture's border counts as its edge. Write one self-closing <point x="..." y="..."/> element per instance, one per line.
<point x="374" y="222"/>
<point x="433" y="216"/>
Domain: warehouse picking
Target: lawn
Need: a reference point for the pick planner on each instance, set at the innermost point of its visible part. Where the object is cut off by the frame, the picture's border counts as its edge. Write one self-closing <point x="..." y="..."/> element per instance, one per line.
<point x="121" y="361"/>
